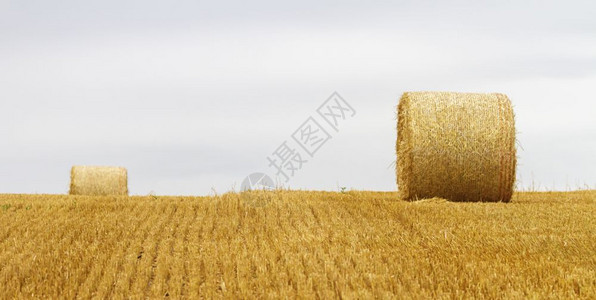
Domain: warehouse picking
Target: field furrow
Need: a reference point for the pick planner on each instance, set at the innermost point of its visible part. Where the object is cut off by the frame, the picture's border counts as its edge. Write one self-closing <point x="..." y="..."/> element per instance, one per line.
<point x="287" y="244"/>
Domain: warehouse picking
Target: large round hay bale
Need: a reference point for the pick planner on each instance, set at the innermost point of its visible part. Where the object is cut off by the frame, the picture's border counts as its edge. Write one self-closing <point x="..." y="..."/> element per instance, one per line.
<point x="458" y="146"/>
<point x="98" y="181"/>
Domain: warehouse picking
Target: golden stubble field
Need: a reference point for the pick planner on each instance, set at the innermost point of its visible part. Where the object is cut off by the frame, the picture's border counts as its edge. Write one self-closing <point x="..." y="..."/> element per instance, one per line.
<point x="297" y="244"/>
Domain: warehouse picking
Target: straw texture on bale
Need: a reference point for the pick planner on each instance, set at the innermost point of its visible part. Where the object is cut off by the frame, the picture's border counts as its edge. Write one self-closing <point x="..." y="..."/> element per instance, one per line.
<point x="457" y="146"/>
<point x="98" y="181"/>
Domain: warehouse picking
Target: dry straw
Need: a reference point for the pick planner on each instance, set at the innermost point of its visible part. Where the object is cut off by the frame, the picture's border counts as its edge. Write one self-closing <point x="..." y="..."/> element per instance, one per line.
<point x="99" y="181"/>
<point x="458" y="146"/>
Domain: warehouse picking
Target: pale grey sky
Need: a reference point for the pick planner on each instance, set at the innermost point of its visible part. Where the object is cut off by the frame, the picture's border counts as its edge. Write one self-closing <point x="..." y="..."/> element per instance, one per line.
<point x="194" y="95"/>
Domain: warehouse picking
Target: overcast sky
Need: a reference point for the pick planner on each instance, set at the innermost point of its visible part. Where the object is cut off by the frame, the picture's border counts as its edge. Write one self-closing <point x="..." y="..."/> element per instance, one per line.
<point x="192" y="96"/>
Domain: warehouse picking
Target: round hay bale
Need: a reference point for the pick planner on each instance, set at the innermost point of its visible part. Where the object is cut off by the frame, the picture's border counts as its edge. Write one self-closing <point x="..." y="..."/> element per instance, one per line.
<point x="98" y="181"/>
<point x="457" y="146"/>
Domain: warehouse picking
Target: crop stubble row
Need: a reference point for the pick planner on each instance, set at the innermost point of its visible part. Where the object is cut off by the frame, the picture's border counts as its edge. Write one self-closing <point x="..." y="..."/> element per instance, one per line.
<point x="298" y="243"/>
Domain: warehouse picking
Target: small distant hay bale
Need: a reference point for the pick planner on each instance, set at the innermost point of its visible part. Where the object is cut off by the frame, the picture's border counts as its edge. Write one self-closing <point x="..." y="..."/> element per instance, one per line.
<point x="98" y="181"/>
<point x="458" y="146"/>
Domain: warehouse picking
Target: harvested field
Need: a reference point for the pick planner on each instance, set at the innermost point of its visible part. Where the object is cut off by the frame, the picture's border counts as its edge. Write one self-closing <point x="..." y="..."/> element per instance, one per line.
<point x="310" y="244"/>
